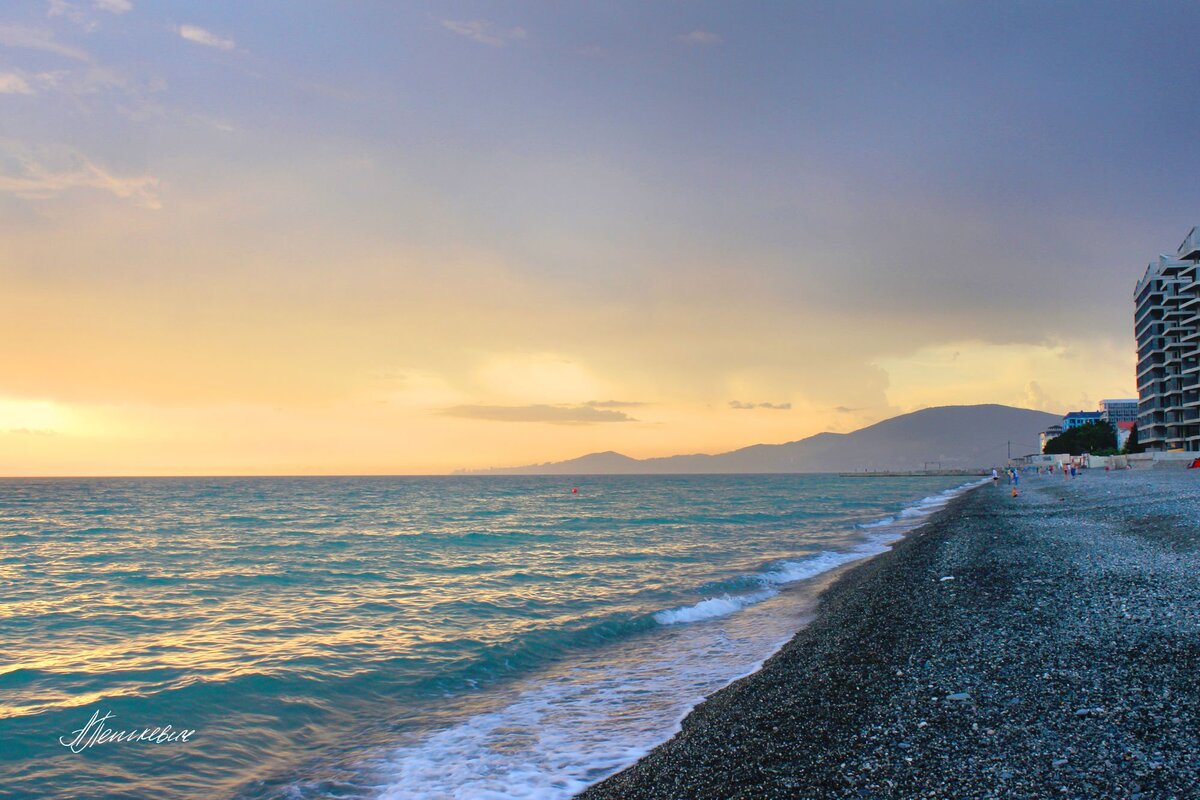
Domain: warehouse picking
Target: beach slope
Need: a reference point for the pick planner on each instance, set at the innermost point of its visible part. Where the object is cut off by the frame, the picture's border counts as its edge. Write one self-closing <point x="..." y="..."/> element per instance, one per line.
<point x="1038" y="646"/>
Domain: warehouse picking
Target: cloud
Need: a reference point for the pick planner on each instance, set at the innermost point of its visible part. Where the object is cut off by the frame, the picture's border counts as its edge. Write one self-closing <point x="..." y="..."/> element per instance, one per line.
<point x="847" y="410"/>
<point x="88" y="87"/>
<point x="484" y="32"/>
<point x="613" y="404"/>
<point x="1036" y="397"/>
<point x="194" y="33"/>
<point x="38" y="39"/>
<point x="740" y="406"/>
<point x="61" y="8"/>
<point x="28" y="176"/>
<point x="561" y="415"/>
<point x="12" y="83"/>
<point x="81" y="16"/>
<point x="699" y="38"/>
<point x="86" y="81"/>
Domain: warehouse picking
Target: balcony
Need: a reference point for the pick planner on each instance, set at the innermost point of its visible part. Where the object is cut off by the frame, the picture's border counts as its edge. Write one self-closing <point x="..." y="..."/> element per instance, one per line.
<point x="1146" y="326"/>
<point x="1176" y="312"/>
<point x="1144" y="309"/>
<point x="1149" y="368"/>
<point x="1190" y="249"/>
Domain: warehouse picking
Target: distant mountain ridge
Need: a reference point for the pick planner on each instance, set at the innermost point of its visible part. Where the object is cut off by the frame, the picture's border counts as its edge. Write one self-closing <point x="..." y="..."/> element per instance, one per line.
<point x="948" y="437"/>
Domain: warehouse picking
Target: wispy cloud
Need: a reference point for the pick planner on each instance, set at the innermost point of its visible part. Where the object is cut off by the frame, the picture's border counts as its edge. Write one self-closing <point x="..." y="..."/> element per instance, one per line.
<point x="484" y="32"/>
<point x="740" y="406"/>
<point x="194" y="33"/>
<point x="72" y="12"/>
<point x="83" y="16"/>
<point x="613" y="404"/>
<point x="29" y="177"/>
<point x="114" y="6"/>
<point x="699" y="37"/>
<point x="38" y="39"/>
<point x="12" y="83"/>
<point x="560" y="415"/>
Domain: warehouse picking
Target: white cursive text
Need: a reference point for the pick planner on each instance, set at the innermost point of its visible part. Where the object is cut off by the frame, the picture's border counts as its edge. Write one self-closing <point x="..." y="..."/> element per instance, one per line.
<point x="96" y="732"/>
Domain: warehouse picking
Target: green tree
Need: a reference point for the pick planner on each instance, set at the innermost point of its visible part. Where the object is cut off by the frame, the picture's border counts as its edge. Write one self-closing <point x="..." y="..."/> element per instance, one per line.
<point x="1096" y="438"/>
<point x="1131" y="444"/>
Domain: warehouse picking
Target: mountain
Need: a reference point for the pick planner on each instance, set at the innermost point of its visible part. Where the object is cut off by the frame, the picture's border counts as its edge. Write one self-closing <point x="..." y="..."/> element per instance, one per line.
<point x="947" y="437"/>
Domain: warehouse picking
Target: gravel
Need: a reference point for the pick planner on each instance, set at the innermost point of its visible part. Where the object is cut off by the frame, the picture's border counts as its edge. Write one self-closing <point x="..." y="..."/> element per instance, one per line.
<point x="1062" y="660"/>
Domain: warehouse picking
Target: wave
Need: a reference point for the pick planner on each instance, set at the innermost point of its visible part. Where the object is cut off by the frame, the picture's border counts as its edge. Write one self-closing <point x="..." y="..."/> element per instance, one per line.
<point x="607" y="708"/>
<point x="712" y="608"/>
<point x="793" y="570"/>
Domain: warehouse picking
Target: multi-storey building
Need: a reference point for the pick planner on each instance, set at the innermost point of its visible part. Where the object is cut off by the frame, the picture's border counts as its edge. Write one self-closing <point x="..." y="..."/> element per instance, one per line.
<point x="1167" y="327"/>
<point x="1053" y="432"/>
<point x="1122" y="410"/>
<point x="1074" y="419"/>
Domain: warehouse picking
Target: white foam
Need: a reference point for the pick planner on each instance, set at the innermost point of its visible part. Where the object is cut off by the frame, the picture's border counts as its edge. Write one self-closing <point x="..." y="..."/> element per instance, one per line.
<point x="575" y="724"/>
<point x="711" y="608"/>
<point x="582" y="721"/>
<point x="791" y="571"/>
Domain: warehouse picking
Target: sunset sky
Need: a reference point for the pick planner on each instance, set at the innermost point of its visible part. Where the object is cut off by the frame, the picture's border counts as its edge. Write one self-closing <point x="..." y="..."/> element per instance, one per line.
<point x="379" y="237"/>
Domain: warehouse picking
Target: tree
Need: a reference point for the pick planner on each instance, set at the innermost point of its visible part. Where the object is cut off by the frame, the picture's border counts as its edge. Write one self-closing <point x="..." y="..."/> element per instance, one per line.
<point x="1131" y="444"/>
<point x="1094" y="437"/>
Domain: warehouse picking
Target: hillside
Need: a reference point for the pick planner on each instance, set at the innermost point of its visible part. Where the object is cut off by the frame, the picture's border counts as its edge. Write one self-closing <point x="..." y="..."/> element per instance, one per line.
<point x="945" y="436"/>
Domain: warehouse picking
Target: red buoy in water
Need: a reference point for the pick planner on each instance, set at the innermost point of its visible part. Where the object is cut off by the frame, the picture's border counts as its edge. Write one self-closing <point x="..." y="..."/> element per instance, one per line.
<point x="574" y="490"/>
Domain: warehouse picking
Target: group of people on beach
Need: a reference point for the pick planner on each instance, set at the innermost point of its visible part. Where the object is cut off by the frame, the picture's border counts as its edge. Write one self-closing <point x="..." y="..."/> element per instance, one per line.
<point x="1014" y="475"/>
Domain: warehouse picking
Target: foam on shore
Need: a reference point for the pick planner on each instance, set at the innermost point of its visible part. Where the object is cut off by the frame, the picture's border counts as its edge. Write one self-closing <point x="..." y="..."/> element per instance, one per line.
<point x="581" y="721"/>
<point x="1060" y="660"/>
<point x="885" y="531"/>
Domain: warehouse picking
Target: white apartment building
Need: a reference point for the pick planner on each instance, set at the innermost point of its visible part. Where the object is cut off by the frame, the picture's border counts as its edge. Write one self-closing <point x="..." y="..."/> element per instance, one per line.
<point x="1122" y="410"/>
<point x="1167" y="327"/>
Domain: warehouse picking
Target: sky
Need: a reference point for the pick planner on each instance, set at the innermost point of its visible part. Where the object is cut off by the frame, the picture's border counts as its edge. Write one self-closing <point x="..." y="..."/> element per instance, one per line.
<point x="407" y="238"/>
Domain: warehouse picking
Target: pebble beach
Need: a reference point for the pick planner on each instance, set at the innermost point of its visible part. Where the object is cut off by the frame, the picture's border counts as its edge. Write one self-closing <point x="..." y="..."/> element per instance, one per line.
<point x="1044" y="645"/>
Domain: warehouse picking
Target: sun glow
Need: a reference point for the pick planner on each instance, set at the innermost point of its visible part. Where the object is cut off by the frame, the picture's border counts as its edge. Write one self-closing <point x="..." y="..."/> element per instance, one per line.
<point x="33" y="416"/>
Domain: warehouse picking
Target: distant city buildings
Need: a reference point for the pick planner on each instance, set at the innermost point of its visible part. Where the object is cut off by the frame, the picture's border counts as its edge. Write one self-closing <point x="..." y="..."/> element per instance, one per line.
<point x="1120" y="413"/>
<point x="1074" y="419"/>
<point x="1123" y="410"/>
<point x="1167" y="328"/>
<point x="1050" y="433"/>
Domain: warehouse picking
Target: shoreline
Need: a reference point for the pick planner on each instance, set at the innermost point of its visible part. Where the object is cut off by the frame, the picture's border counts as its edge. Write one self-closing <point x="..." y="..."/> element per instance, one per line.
<point x="700" y="650"/>
<point x="1028" y="674"/>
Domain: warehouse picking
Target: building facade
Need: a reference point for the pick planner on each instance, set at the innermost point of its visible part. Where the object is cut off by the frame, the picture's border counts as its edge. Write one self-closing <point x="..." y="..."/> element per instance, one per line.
<point x="1114" y="411"/>
<point x="1167" y="327"/>
<point x="1053" y="432"/>
<point x="1074" y="419"/>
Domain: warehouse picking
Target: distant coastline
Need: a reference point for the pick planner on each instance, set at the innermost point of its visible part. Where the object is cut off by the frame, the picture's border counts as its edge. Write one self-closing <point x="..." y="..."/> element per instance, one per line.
<point x="940" y="440"/>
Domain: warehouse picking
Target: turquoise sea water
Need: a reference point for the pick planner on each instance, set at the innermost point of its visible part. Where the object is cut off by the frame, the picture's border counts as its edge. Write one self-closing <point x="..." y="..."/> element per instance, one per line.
<point x="398" y="637"/>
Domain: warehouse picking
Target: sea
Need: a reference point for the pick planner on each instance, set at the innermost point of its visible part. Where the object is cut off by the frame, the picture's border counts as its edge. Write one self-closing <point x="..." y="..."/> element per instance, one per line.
<point x="395" y="637"/>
